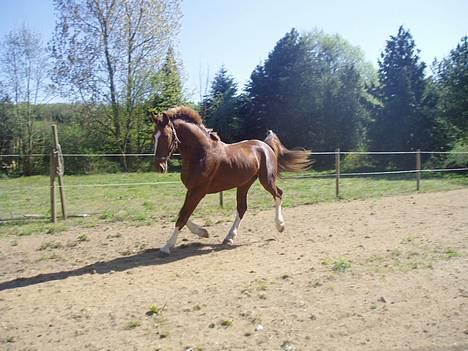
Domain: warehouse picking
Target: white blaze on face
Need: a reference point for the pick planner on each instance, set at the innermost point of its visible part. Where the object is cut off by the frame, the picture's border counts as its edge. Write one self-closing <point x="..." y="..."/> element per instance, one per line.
<point x="156" y="138"/>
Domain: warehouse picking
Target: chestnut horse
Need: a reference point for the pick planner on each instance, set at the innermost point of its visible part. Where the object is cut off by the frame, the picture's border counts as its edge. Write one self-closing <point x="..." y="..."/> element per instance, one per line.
<point x="210" y="166"/>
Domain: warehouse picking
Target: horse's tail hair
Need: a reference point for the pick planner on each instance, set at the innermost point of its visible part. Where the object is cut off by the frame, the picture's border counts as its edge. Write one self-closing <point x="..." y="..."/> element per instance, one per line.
<point x="297" y="160"/>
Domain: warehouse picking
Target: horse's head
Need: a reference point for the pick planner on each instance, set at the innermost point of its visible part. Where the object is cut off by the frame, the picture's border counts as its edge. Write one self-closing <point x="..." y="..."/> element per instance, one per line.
<point x="165" y="141"/>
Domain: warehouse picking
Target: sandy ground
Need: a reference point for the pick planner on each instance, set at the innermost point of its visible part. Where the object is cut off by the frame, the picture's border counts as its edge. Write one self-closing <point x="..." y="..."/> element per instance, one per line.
<point x="382" y="274"/>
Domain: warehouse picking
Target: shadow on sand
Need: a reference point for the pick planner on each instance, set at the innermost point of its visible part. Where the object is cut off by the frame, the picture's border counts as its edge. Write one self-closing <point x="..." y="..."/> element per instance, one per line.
<point x="150" y="257"/>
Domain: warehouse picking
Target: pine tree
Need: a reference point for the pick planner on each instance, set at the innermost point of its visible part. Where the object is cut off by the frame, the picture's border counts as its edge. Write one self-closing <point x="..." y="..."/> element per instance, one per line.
<point x="453" y="83"/>
<point x="221" y="106"/>
<point x="269" y="86"/>
<point x="401" y="124"/>
<point x="167" y="85"/>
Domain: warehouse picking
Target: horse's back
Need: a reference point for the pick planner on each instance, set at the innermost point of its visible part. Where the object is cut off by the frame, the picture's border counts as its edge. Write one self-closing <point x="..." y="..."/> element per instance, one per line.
<point x="240" y="162"/>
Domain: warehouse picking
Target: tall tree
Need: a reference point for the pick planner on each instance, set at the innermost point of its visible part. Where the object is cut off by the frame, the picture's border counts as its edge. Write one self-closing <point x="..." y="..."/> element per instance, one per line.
<point x="403" y="122"/>
<point x="221" y="106"/>
<point x="106" y="53"/>
<point x="24" y="63"/>
<point x="7" y="132"/>
<point x="453" y="84"/>
<point x="311" y="90"/>
<point x="167" y="85"/>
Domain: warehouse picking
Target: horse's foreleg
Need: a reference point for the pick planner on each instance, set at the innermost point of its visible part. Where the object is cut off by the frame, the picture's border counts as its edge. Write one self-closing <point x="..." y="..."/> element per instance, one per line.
<point x="241" y="208"/>
<point x="192" y="199"/>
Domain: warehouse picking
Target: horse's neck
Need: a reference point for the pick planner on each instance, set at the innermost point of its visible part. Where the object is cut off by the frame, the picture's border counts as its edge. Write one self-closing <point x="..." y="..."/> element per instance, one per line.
<point x="192" y="138"/>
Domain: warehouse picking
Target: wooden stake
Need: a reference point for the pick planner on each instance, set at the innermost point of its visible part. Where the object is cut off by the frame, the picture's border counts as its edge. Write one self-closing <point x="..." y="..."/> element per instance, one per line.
<point x="53" y="215"/>
<point x="60" y="176"/>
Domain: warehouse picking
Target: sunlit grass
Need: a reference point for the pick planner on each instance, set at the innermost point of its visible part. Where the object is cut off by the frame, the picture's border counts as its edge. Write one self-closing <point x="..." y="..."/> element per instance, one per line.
<point x="146" y="204"/>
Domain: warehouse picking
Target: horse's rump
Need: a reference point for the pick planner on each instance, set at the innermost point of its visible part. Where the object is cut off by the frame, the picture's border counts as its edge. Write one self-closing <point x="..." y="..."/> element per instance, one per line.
<point x="288" y="160"/>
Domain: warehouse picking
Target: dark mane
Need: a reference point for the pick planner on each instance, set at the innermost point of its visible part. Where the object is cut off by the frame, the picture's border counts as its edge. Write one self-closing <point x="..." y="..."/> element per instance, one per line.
<point x="185" y="113"/>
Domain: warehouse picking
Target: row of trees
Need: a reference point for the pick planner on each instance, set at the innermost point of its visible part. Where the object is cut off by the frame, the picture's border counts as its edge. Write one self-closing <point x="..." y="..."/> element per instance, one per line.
<point x="115" y="61"/>
<point x="107" y="57"/>
<point x="317" y="91"/>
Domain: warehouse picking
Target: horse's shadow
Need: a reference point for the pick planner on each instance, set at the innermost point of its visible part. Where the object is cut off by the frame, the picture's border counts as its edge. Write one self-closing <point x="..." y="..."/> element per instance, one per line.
<point x="150" y="257"/>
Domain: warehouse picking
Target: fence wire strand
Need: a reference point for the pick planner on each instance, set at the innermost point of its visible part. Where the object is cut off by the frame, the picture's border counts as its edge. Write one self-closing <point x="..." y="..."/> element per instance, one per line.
<point x="312" y="153"/>
<point x="349" y="174"/>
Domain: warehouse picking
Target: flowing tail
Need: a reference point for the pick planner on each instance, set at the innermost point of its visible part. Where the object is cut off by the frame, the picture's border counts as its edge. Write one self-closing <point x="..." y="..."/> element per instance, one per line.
<point x="288" y="160"/>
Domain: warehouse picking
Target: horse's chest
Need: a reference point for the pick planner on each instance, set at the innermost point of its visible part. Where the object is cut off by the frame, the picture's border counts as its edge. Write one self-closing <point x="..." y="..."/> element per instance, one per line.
<point x="197" y="173"/>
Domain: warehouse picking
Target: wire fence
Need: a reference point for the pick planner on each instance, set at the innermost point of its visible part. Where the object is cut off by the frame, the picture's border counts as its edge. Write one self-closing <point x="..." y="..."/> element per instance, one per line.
<point x="30" y="195"/>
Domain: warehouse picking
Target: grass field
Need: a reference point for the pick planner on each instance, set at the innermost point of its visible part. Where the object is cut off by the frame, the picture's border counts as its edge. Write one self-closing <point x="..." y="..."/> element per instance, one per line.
<point x="145" y="204"/>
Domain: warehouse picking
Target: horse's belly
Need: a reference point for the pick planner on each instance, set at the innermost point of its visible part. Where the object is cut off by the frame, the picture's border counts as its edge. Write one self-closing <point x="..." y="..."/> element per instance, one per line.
<point x="228" y="178"/>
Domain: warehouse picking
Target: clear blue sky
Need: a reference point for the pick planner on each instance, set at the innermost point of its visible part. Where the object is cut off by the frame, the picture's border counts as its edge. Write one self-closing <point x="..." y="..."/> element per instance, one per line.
<point x="239" y="34"/>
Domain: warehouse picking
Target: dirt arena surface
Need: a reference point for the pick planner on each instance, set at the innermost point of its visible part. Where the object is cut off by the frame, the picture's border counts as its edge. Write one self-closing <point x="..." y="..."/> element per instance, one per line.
<point x="380" y="274"/>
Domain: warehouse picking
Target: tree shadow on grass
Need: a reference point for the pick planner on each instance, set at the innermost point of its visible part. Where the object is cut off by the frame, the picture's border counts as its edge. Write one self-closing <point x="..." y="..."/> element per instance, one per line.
<point x="150" y="257"/>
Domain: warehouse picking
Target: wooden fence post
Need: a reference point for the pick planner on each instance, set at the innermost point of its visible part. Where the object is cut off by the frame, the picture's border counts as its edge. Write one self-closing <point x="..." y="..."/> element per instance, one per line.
<point x="221" y="199"/>
<point x="53" y="214"/>
<point x="418" y="169"/>
<point x="59" y="169"/>
<point x="337" y="171"/>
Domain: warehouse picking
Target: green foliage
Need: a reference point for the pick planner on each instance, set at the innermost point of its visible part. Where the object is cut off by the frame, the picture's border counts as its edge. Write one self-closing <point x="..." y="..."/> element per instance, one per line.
<point x="221" y="107"/>
<point x="23" y="61"/>
<point x="167" y="85"/>
<point x="453" y="85"/>
<point x="407" y="118"/>
<point x="154" y="310"/>
<point x="341" y="265"/>
<point x="460" y="156"/>
<point x="7" y="134"/>
<point x="357" y="163"/>
<point x="311" y="91"/>
<point x="112" y="76"/>
<point x="133" y="324"/>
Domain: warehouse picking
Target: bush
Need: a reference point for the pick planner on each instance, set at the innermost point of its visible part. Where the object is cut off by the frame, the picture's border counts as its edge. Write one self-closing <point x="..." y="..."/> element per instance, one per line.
<point x="457" y="160"/>
<point x="357" y="163"/>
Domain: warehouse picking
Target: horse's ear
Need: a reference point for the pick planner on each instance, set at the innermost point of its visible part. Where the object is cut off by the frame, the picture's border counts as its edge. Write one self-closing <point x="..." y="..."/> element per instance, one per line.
<point x="165" y="118"/>
<point x="154" y="118"/>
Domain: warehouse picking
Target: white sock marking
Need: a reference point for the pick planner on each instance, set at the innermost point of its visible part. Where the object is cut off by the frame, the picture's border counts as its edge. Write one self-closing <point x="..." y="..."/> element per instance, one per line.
<point x="233" y="231"/>
<point x="156" y="138"/>
<point x="171" y="242"/>
<point x="279" y="220"/>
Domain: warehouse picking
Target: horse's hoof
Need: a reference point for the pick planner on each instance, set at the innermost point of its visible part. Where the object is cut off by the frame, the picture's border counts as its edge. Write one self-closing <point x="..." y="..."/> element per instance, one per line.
<point x="203" y="233"/>
<point x="228" y="242"/>
<point x="280" y="227"/>
<point x="164" y="252"/>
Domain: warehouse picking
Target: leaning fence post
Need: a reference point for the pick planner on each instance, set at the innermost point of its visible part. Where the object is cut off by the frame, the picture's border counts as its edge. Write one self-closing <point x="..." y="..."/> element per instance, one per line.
<point x="221" y="199"/>
<point x="59" y="169"/>
<point x="337" y="171"/>
<point x="53" y="215"/>
<point x="418" y="169"/>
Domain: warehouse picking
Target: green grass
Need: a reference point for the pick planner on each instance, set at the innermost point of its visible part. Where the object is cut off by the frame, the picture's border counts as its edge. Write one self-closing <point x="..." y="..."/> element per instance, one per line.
<point x="146" y="204"/>
<point x="341" y="265"/>
<point x="133" y="324"/>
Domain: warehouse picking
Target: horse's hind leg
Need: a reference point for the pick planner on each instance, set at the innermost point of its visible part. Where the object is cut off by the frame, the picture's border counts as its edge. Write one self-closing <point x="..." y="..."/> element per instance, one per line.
<point x="269" y="183"/>
<point x="241" y="208"/>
